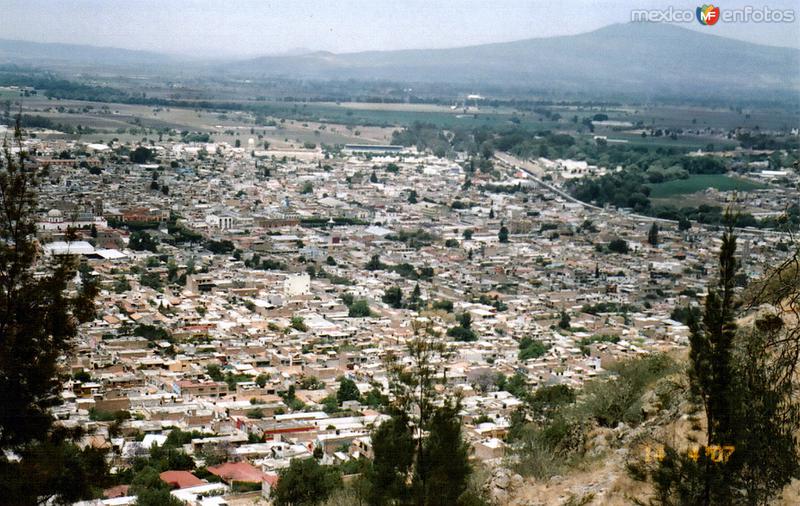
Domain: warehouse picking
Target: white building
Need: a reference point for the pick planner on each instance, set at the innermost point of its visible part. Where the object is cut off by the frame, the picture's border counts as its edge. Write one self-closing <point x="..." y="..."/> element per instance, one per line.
<point x="296" y="285"/>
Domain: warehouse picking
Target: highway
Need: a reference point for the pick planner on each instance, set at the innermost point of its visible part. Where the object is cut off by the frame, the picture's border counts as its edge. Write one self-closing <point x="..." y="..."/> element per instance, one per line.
<point x="535" y="173"/>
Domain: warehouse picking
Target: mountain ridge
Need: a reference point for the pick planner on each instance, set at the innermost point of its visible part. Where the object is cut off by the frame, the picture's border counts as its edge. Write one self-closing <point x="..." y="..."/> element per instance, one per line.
<point x="638" y="58"/>
<point x="621" y="57"/>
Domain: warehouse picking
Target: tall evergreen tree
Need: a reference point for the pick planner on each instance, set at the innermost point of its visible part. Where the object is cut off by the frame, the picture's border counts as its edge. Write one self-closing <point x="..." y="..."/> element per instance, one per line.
<point x="711" y="346"/>
<point x="502" y="236"/>
<point x="393" y="449"/>
<point x="421" y="458"/>
<point x="445" y="459"/>
<point x="652" y="235"/>
<point x="746" y="381"/>
<point x="710" y="354"/>
<point x="31" y="347"/>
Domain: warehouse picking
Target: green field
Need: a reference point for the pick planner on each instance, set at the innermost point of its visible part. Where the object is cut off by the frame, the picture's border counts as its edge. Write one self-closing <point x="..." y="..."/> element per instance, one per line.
<point x="700" y="182"/>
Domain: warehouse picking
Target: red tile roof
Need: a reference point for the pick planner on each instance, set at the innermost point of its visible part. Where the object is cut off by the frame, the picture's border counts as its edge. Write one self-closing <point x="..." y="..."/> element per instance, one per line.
<point x="180" y="479"/>
<point x="237" y="471"/>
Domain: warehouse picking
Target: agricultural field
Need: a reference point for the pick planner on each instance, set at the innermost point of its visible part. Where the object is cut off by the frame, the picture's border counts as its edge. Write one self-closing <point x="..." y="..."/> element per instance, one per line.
<point x="124" y="122"/>
<point x="699" y="182"/>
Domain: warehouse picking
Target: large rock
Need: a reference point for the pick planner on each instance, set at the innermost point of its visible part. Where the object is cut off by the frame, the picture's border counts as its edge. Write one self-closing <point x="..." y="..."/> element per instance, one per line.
<point x="500" y="485"/>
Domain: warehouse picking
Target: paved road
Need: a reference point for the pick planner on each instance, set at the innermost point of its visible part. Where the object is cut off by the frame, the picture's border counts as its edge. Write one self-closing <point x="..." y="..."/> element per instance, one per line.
<point x="535" y="172"/>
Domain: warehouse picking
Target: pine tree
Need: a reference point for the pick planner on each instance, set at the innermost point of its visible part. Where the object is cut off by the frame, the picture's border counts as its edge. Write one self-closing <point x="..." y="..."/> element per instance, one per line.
<point x="30" y="348"/>
<point x="393" y="296"/>
<point x="503" y="234"/>
<point x="374" y="263"/>
<point x="445" y="461"/>
<point x="710" y="354"/>
<point x="416" y="297"/>
<point x="420" y="455"/>
<point x="711" y="346"/>
<point x="652" y="235"/>
<point x="393" y="449"/>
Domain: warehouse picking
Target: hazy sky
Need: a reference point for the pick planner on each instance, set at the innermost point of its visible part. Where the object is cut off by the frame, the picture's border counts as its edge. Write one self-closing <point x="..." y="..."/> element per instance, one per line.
<point x="248" y="27"/>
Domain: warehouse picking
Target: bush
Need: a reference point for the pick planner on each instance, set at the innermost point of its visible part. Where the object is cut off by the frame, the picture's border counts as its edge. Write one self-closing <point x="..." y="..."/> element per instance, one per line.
<point x="618" y="246"/>
<point x="298" y="324"/>
<point x="306" y="482"/>
<point x="446" y="305"/>
<point x="152" y="332"/>
<point x="531" y="348"/>
<point x="359" y="309"/>
<point x="255" y="414"/>
<point x="460" y="333"/>
<point x="618" y="399"/>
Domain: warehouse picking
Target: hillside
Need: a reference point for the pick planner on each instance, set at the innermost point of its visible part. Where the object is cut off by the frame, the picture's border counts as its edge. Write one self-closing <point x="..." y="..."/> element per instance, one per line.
<point x="633" y="58"/>
<point x="665" y="412"/>
<point x="24" y="52"/>
<point x="643" y="59"/>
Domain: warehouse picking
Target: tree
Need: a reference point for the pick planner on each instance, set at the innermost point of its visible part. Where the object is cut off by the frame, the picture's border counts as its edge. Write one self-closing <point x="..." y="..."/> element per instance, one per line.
<point x="255" y="413"/>
<point x="348" y="391"/>
<point x="393" y="448"/>
<point x="142" y="241"/>
<point x="373" y="178"/>
<point x="684" y="224"/>
<point x="157" y="497"/>
<point x="393" y="296"/>
<point x="299" y="324"/>
<point x="531" y="348"/>
<point x="374" y="263"/>
<point x="359" y="309"/>
<point x="310" y="383"/>
<point x="564" y="321"/>
<point x="172" y="271"/>
<point x="710" y="347"/>
<point x="141" y="155"/>
<point x="305" y="482"/>
<point x="215" y="373"/>
<point x="503" y="234"/>
<point x="463" y="331"/>
<point x="652" y="235"/>
<point x="767" y="413"/>
<point x="30" y="348"/>
<point x="444" y="468"/>
<point x="420" y="455"/>
<point x="151" y="279"/>
<point x="744" y="379"/>
<point x="412" y="197"/>
<point x="416" y="297"/>
<point x="220" y="247"/>
<point x="618" y="246"/>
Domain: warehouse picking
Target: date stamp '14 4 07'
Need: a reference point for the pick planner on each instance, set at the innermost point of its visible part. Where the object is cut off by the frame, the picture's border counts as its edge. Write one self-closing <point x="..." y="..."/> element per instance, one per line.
<point x="716" y="453"/>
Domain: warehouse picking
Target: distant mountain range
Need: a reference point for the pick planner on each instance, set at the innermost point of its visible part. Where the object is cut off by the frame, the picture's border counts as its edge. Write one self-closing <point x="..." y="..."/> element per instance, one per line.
<point x="642" y="58"/>
<point x="39" y="53"/>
